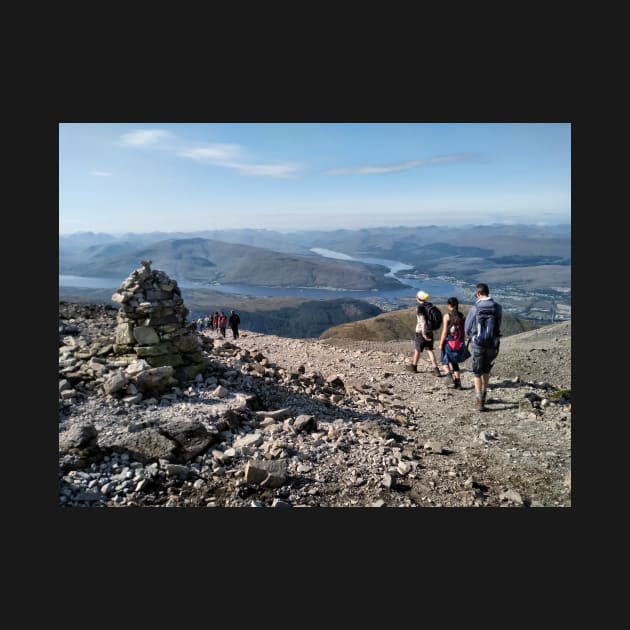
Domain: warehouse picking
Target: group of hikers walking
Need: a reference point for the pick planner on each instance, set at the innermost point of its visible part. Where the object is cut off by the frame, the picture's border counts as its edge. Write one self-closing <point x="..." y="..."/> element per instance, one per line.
<point x="218" y="322"/>
<point x="481" y="329"/>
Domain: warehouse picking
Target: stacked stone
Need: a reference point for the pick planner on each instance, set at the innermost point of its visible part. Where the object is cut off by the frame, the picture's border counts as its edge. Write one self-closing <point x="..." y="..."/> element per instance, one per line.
<point x="151" y="323"/>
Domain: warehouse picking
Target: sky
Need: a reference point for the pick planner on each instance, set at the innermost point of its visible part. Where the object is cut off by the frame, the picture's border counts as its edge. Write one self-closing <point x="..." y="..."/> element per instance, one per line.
<point x="184" y="177"/>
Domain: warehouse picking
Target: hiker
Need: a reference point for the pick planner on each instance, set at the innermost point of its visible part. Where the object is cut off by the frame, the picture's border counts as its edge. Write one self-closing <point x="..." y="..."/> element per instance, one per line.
<point x="453" y="350"/>
<point x="234" y="321"/>
<point x="424" y="335"/>
<point x="483" y="328"/>
<point x="215" y="321"/>
<point x="222" y="323"/>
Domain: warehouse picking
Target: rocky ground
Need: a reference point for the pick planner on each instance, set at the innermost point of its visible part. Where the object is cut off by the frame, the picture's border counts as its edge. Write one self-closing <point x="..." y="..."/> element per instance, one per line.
<point x="279" y="422"/>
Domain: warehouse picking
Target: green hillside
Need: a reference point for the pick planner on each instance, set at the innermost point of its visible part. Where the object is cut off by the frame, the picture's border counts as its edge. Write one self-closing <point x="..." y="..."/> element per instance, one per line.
<point x="401" y="325"/>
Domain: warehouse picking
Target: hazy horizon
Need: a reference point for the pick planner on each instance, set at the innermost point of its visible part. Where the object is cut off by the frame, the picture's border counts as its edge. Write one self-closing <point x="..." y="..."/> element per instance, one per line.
<point x="119" y="178"/>
<point x="297" y="230"/>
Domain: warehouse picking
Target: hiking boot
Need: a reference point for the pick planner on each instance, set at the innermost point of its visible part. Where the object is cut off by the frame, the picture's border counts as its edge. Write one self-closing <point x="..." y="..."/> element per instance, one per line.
<point x="437" y="372"/>
<point x="479" y="405"/>
<point x="457" y="384"/>
<point x="412" y="368"/>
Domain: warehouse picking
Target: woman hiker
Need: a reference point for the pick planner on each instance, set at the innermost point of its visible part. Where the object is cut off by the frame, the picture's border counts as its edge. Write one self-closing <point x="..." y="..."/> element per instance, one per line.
<point x="452" y="347"/>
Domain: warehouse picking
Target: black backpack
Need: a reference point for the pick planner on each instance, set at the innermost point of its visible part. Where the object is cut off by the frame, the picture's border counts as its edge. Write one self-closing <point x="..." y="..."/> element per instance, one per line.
<point x="487" y="329"/>
<point x="433" y="317"/>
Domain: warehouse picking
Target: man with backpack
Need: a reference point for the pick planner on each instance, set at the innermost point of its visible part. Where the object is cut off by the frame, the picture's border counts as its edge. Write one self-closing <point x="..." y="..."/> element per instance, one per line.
<point x="427" y="321"/>
<point x="483" y="328"/>
<point x="234" y="321"/>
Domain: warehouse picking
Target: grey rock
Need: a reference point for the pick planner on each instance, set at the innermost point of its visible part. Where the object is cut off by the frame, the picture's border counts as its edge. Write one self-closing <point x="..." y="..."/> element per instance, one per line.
<point x="253" y="439"/>
<point x="264" y="472"/>
<point x="145" y="446"/>
<point x="433" y="446"/>
<point x="191" y="436"/>
<point x="115" y="383"/>
<point x="511" y="496"/>
<point x="78" y="436"/>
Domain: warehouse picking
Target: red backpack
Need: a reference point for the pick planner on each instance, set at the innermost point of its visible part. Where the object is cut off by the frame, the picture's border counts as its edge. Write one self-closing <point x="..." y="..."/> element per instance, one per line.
<point x="455" y="337"/>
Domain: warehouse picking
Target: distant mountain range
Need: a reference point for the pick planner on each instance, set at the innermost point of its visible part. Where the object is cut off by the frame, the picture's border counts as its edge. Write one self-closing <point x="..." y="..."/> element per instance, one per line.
<point x="207" y="261"/>
<point x="527" y="266"/>
<point x="527" y="256"/>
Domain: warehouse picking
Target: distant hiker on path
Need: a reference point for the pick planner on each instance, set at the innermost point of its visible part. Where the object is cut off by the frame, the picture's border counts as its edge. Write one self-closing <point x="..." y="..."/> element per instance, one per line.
<point x="453" y="350"/>
<point x="483" y="327"/>
<point x="234" y="321"/>
<point x="424" y="334"/>
<point x="222" y="323"/>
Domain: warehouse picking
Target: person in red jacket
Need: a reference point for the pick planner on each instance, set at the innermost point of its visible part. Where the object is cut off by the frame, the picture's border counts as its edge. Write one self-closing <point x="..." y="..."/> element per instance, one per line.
<point x="222" y="323"/>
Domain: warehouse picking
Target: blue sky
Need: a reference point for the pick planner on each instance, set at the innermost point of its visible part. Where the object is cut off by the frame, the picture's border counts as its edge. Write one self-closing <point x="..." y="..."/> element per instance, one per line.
<point x="136" y="177"/>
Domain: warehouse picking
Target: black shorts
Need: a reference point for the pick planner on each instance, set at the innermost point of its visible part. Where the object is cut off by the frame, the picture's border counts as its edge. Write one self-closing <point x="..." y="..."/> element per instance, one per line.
<point x="482" y="359"/>
<point x="422" y="343"/>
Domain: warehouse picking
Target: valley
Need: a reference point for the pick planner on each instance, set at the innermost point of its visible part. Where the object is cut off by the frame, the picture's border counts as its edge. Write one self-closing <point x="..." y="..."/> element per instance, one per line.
<point x="273" y="277"/>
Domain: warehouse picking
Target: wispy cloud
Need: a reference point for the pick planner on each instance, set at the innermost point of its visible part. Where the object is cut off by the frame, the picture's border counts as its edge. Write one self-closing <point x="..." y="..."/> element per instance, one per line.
<point x="231" y="156"/>
<point x="399" y="166"/>
<point x="144" y="137"/>
<point x="285" y="169"/>
<point x="101" y="174"/>
<point x="213" y="153"/>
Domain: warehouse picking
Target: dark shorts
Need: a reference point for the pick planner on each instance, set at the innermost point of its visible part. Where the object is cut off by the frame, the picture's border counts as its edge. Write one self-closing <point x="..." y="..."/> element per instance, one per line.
<point x="482" y="359"/>
<point x="422" y="343"/>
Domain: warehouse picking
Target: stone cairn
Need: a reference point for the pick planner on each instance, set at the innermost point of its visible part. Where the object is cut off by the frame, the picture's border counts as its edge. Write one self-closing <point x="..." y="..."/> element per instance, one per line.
<point x="151" y="324"/>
